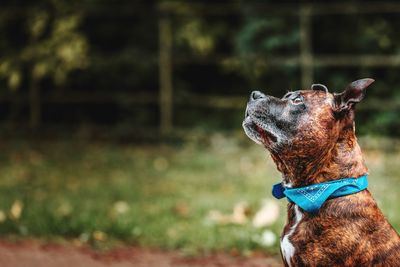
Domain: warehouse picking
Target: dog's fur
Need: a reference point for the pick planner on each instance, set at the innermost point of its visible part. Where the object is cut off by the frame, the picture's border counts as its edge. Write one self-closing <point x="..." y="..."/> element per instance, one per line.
<point x="311" y="137"/>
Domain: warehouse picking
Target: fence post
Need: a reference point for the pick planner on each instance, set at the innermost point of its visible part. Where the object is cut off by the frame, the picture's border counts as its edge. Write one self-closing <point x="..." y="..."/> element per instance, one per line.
<point x="165" y="74"/>
<point x="35" y="103"/>
<point x="306" y="57"/>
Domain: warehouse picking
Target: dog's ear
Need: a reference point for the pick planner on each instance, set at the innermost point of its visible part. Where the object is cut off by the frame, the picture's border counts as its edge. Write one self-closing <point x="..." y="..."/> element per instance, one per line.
<point x="353" y="94"/>
<point x="319" y="87"/>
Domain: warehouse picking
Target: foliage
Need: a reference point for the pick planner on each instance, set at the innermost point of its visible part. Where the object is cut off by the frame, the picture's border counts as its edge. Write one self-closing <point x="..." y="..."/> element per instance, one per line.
<point x="193" y="35"/>
<point x="265" y="36"/>
<point x="54" y="46"/>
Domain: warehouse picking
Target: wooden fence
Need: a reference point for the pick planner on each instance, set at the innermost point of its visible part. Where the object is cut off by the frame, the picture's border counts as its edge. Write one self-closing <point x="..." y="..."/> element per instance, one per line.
<point x="305" y="60"/>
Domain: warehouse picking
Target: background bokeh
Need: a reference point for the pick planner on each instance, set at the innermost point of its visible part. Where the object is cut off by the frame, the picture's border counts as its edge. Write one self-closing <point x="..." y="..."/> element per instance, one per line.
<point x="121" y="120"/>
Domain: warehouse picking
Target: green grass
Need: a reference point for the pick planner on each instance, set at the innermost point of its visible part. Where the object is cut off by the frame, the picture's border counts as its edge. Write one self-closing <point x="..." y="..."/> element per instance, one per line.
<point x="155" y="196"/>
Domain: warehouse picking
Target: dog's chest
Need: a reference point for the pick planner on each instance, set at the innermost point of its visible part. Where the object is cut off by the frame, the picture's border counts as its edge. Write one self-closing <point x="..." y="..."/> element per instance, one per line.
<point x="287" y="247"/>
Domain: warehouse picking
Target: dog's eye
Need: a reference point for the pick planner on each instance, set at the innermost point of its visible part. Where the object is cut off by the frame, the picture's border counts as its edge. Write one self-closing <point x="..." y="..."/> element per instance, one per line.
<point x="298" y="100"/>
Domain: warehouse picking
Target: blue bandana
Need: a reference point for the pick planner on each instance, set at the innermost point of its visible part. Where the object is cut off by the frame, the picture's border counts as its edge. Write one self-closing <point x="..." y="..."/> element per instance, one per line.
<point x="310" y="198"/>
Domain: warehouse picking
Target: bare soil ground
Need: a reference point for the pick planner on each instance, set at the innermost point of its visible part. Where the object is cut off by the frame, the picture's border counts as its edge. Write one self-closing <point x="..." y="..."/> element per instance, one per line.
<point x="34" y="253"/>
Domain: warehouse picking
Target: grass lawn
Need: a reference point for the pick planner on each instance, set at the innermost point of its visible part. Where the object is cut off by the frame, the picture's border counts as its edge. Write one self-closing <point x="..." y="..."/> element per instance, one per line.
<point x="154" y="196"/>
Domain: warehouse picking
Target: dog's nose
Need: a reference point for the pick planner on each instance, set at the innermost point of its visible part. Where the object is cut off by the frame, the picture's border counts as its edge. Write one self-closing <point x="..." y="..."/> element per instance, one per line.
<point x="256" y="95"/>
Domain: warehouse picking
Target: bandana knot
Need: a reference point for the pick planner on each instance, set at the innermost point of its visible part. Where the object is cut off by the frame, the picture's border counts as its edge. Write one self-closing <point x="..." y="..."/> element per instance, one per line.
<point x="311" y="198"/>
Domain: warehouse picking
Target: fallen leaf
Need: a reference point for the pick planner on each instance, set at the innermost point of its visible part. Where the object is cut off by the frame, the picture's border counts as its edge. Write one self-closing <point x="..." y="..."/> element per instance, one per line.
<point x="3" y="216"/>
<point x="267" y="238"/>
<point x="16" y="210"/>
<point x="238" y="216"/>
<point x="121" y="207"/>
<point x="99" y="235"/>
<point x="267" y="214"/>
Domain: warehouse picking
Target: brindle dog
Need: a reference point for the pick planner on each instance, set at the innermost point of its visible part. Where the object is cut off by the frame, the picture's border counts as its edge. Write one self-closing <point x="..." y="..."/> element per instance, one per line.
<point x="311" y="137"/>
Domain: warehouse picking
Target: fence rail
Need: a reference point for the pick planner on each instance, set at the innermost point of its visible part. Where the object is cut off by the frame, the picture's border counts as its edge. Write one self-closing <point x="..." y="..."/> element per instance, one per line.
<point x="317" y="9"/>
<point x="195" y="100"/>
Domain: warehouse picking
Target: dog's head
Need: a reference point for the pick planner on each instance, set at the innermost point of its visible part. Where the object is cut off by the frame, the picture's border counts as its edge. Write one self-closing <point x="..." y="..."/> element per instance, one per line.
<point x="304" y="122"/>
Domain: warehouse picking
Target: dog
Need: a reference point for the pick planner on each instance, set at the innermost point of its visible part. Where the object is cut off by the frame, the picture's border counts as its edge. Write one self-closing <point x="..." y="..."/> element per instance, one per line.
<point x="310" y="135"/>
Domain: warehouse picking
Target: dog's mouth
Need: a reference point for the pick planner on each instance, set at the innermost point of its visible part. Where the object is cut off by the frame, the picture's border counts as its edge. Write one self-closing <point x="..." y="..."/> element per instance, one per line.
<point x="257" y="131"/>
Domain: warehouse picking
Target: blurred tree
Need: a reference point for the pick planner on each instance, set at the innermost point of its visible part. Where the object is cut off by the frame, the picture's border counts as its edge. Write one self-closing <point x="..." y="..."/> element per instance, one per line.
<point x="55" y="47"/>
<point x="262" y="37"/>
<point x="218" y="48"/>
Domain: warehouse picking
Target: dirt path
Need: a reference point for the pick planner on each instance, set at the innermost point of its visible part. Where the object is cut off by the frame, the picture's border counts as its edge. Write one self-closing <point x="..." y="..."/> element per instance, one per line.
<point x="37" y="254"/>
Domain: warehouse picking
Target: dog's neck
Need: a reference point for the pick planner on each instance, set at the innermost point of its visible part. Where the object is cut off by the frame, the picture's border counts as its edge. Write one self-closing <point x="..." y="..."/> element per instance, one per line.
<point x="342" y="160"/>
